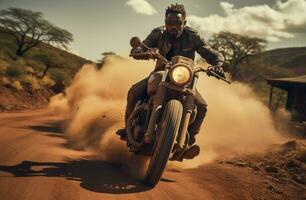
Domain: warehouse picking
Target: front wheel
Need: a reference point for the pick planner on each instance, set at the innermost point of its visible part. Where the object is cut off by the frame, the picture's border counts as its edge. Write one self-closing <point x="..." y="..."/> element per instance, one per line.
<point x="171" y="120"/>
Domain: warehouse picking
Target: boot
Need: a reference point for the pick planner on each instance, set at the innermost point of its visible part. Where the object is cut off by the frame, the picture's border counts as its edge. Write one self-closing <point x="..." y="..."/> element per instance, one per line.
<point x="193" y="149"/>
<point x="192" y="152"/>
<point x="191" y="140"/>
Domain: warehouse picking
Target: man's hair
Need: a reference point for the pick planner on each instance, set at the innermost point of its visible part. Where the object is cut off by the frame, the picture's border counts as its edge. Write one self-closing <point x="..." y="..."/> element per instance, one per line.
<point x="176" y="8"/>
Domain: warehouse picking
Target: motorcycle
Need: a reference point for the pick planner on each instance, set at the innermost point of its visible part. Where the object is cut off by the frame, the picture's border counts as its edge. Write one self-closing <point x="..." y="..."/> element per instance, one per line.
<point x="158" y="125"/>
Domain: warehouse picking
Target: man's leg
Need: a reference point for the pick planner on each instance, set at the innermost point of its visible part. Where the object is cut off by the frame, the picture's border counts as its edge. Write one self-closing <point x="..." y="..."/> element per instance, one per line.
<point x="136" y="92"/>
<point x="196" y="126"/>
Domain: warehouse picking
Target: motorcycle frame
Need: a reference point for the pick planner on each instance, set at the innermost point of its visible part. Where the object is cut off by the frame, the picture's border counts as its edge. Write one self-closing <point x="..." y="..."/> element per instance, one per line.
<point x="159" y="102"/>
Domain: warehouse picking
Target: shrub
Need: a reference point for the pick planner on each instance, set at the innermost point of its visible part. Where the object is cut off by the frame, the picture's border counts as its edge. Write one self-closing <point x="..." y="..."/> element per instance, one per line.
<point x="17" y="85"/>
<point x="50" y="58"/>
<point x="59" y="76"/>
<point x="5" y="81"/>
<point x="3" y="67"/>
<point x="20" y="62"/>
<point x="32" y="81"/>
<point x="29" y="70"/>
<point x="14" y="71"/>
<point x="47" y="82"/>
<point x="36" y="65"/>
<point x="6" y="53"/>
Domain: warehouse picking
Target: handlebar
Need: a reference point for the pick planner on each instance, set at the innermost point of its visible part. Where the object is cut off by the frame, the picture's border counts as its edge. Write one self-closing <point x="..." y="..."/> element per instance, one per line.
<point x="210" y="72"/>
<point x="167" y="63"/>
<point x="147" y="54"/>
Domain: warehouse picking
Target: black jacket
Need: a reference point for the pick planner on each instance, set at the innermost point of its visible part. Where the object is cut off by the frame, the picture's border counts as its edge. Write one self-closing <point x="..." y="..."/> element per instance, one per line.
<point x="186" y="45"/>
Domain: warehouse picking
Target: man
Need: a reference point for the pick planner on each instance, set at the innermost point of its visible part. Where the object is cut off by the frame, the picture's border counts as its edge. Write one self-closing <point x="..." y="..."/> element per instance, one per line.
<point x="175" y="38"/>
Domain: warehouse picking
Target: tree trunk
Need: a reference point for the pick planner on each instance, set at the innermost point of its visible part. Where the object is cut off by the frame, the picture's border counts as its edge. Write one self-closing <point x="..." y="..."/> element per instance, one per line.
<point x="24" y="47"/>
<point x="45" y="72"/>
<point x="19" y="52"/>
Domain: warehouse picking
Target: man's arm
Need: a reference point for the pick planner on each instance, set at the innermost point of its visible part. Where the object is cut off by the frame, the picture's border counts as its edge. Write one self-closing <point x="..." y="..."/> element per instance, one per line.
<point x="212" y="56"/>
<point x="150" y="41"/>
<point x="152" y="38"/>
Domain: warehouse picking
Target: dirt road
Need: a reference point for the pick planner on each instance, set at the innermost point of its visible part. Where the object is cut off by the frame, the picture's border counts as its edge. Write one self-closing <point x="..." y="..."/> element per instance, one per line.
<point x="37" y="163"/>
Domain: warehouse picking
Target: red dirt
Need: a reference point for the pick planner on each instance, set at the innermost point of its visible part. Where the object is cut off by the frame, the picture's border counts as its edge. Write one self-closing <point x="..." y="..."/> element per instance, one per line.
<point x="36" y="163"/>
<point x="12" y="99"/>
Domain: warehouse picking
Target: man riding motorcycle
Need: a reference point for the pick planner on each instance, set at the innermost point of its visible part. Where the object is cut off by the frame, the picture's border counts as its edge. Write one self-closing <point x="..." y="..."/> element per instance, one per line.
<point x="173" y="39"/>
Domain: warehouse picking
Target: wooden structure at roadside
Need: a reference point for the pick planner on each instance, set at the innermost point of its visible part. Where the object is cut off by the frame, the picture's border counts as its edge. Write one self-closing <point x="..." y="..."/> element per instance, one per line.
<point x="296" y="95"/>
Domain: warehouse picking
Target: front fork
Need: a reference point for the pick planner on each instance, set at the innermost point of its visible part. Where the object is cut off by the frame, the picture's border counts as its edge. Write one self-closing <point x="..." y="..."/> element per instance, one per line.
<point x="157" y="107"/>
<point x="187" y="112"/>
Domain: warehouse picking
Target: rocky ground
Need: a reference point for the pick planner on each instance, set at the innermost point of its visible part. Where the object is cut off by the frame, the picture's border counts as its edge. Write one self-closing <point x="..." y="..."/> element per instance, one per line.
<point x="283" y="167"/>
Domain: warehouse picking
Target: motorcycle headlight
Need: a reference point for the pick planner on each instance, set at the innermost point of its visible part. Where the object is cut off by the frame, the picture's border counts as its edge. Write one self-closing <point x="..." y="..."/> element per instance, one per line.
<point x="180" y="75"/>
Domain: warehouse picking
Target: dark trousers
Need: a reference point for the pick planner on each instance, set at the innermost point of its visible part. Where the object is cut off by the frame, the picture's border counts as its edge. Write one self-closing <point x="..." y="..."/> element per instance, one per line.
<point x="139" y="91"/>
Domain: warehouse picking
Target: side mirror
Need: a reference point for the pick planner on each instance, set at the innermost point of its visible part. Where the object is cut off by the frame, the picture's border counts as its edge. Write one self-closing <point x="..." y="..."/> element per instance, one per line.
<point x="135" y="42"/>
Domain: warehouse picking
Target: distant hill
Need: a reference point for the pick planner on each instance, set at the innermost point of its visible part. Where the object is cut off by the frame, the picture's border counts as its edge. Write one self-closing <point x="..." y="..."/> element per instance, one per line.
<point x="275" y="63"/>
<point x="291" y="58"/>
<point x="22" y="84"/>
<point x="284" y="62"/>
<point x="63" y="65"/>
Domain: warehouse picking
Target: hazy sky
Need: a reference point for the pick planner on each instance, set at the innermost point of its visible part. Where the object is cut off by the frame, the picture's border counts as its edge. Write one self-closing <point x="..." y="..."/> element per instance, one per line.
<point x="107" y="25"/>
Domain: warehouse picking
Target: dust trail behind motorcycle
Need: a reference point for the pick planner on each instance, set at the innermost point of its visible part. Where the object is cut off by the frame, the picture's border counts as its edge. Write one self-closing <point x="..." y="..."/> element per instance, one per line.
<point x="94" y="107"/>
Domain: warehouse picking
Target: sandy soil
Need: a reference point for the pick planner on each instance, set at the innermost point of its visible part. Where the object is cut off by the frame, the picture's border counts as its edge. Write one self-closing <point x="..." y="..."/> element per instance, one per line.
<point x="37" y="163"/>
<point x="12" y="99"/>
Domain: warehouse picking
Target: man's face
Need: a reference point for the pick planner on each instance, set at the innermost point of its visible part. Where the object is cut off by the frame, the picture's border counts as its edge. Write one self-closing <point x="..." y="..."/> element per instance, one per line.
<point x="175" y="24"/>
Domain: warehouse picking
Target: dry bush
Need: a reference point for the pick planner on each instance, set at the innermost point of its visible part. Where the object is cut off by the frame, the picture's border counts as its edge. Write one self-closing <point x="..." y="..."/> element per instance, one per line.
<point x="46" y="82"/>
<point x="17" y="85"/>
<point x="5" y="81"/>
<point x="32" y="81"/>
<point x="14" y="72"/>
<point x="3" y="67"/>
<point x="29" y="70"/>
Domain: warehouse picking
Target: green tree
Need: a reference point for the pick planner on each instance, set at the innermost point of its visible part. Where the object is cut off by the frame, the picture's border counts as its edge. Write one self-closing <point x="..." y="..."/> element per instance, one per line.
<point x="235" y="48"/>
<point x="50" y="60"/>
<point x="29" y="29"/>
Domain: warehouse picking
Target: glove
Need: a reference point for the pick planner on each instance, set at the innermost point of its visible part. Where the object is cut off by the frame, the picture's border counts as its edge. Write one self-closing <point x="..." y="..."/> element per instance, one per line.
<point x="218" y="70"/>
<point x="139" y="54"/>
<point x="137" y="50"/>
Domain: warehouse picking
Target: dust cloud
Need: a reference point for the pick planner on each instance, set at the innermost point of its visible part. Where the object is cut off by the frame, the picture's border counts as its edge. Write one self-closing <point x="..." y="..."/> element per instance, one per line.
<point x="236" y="122"/>
<point x="94" y="105"/>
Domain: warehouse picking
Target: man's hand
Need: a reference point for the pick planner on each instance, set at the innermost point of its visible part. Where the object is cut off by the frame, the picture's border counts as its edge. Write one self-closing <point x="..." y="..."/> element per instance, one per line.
<point x="139" y="54"/>
<point x="218" y="70"/>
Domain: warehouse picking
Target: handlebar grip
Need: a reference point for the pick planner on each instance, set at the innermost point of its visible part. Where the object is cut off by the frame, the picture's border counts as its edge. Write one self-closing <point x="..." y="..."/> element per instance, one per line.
<point x="140" y="56"/>
<point x="216" y="75"/>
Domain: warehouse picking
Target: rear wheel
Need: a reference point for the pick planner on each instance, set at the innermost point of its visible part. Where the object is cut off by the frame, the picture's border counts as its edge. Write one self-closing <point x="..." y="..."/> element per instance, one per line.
<point x="171" y="120"/>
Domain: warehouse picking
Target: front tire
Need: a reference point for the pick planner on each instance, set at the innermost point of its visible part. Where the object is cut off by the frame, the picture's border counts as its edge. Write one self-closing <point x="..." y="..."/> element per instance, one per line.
<point x="171" y="120"/>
